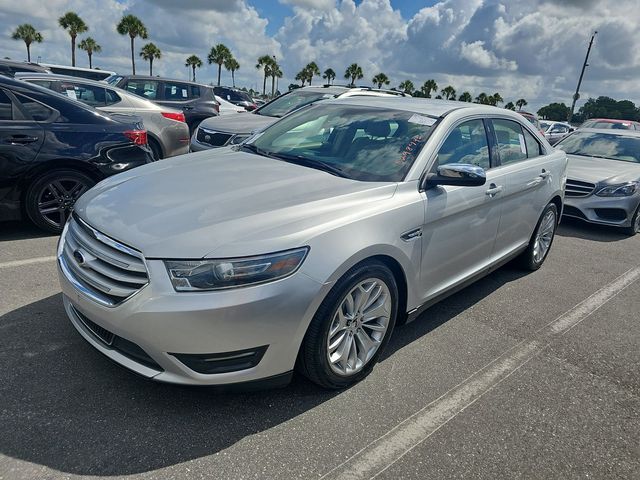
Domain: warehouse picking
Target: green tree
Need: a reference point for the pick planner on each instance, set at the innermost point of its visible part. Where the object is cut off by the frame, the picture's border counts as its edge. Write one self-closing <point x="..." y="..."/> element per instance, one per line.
<point x="496" y="99"/>
<point x="301" y="76"/>
<point x="521" y="102"/>
<point x="510" y="106"/>
<point x="132" y="26"/>
<point x="74" y="25"/>
<point x="28" y="34"/>
<point x="266" y="63"/>
<point x="483" y="99"/>
<point x="381" y="79"/>
<point x="406" y="86"/>
<point x="465" y="97"/>
<point x="90" y="46"/>
<point x="150" y="52"/>
<point x="311" y="69"/>
<point x="329" y="75"/>
<point x="194" y="62"/>
<point x="218" y="55"/>
<point x="275" y="73"/>
<point x="232" y="65"/>
<point x="607" y="107"/>
<point x="353" y="72"/>
<point x="557" y="112"/>
<point x="448" y="92"/>
<point x="428" y="87"/>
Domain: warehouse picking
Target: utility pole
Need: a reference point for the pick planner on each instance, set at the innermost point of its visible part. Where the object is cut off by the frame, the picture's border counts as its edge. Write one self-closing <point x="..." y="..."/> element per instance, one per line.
<point x="576" y="95"/>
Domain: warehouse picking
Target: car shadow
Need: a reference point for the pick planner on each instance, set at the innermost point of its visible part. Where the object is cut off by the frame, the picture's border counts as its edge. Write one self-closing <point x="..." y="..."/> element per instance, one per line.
<point x="576" y="228"/>
<point x="21" y="231"/>
<point x="67" y="407"/>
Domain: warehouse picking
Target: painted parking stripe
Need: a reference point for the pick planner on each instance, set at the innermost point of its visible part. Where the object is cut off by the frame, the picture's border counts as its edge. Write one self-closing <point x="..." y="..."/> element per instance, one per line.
<point x="27" y="261"/>
<point x="386" y="450"/>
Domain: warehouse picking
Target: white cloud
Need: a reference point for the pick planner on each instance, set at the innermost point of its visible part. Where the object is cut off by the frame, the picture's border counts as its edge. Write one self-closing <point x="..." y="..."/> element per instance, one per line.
<point x="476" y="54"/>
<point x="314" y="4"/>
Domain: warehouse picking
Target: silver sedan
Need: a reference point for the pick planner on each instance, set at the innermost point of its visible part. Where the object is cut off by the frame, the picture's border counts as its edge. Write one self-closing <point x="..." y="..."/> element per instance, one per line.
<point x="304" y="246"/>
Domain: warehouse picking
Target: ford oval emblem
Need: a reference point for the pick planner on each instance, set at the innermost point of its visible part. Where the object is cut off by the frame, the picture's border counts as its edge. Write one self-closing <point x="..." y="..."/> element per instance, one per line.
<point x="79" y="257"/>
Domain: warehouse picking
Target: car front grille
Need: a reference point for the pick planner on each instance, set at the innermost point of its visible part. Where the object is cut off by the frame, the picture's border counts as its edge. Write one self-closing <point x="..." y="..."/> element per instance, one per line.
<point x="213" y="138"/>
<point x="101" y="267"/>
<point x="577" y="188"/>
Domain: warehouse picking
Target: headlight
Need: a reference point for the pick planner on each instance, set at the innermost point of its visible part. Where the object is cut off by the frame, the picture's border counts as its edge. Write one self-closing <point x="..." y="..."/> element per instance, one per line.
<point x="623" y="190"/>
<point x="198" y="275"/>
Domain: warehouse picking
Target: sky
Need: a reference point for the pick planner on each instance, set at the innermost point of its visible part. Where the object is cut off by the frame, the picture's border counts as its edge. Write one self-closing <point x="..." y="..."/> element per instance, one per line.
<point x="530" y="49"/>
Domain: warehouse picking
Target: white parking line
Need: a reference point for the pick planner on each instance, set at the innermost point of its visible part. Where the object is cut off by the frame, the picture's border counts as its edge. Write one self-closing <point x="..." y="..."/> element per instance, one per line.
<point x="27" y="261"/>
<point x="386" y="450"/>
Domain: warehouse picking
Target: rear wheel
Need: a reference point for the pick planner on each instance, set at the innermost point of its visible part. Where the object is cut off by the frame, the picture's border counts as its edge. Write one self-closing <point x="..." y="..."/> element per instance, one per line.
<point x="540" y="244"/>
<point x="50" y="198"/>
<point x="156" y="150"/>
<point x="635" y="224"/>
<point x="351" y="327"/>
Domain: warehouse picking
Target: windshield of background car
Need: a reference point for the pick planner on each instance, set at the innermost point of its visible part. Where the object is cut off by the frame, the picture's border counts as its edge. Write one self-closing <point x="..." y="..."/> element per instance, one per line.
<point x="364" y="143"/>
<point x="113" y="79"/>
<point x="602" y="145"/>
<point x="608" y="125"/>
<point x="291" y="101"/>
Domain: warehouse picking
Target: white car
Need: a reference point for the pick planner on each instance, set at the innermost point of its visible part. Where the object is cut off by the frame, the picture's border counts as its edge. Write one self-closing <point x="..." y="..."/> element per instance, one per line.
<point x="227" y="108"/>
<point x="555" y="131"/>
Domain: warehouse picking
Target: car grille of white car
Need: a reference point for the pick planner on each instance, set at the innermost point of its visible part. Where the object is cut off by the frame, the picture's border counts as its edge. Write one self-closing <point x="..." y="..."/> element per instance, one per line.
<point x="213" y="138"/>
<point x="577" y="188"/>
<point x="104" y="269"/>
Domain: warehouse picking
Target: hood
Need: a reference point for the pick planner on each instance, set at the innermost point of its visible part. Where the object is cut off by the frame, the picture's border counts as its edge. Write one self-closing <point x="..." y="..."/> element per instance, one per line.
<point x="601" y="170"/>
<point x="225" y="203"/>
<point x="238" y="123"/>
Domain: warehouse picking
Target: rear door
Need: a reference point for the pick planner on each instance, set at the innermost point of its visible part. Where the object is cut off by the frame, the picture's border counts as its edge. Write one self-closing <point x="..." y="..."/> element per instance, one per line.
<point x="461" y="223"/>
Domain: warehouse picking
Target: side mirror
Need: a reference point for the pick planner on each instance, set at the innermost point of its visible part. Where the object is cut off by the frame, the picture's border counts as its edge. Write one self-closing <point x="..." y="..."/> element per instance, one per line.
<point x="457" y="174"/>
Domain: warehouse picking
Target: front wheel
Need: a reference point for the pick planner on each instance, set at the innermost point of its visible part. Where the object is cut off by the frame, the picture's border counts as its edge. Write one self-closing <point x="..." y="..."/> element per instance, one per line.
<point x="540" y="244"/>
<point x="635" y="224"/>
<point x="351" y="327"/>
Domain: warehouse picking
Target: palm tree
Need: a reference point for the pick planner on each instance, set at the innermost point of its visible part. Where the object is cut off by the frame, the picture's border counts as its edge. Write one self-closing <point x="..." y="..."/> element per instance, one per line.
<point x="218" y="55"/>
<point x="428" y="87"/>
<point x="465" y="97"/>
<point x="28" y="34"/>
<point x="150" y="52"/>
<point x="90" y="46"/>
<point x="448" y="92"/>
<point x="265" y="62"/>
<point x="231" y="64"/>
<point x="354" y="72"/>
<point x="73" y="24"/>
<point x="521" y="103"/>
<point x="329" y="75"/>
<point x="381" y="79"/>
<point x="132" y="26"/>
<point x="194" y="62"/>
<point x="406" y="86"/>
<point x="495" y="99"/>
<point x="510" y="106"/>
<point x="482" y="98"/>
<point x="275" y="73"/>
<point x="311" y="69"/>
<point x="301" y="76"/>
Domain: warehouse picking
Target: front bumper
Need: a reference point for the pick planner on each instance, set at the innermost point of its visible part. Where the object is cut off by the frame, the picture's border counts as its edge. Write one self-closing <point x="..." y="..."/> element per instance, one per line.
<point x="613" y="211"/>
<point x="166" y="324"/>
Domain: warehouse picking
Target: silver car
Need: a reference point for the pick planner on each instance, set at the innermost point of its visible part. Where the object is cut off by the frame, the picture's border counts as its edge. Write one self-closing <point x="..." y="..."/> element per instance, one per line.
<point x="167" y="132"/>
<point x="604" y="177"/>
<point x="555" y="131"/>
<point x="305" y="246"/>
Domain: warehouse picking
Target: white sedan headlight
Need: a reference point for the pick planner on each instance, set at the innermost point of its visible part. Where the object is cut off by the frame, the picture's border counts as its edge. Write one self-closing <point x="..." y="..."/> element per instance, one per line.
<point x="624" y="190"/>
<point x="199" y="275"/>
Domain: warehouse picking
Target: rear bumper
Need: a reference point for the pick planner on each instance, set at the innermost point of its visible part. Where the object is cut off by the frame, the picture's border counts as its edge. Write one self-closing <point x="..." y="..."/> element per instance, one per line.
<point x="617" y="212"/>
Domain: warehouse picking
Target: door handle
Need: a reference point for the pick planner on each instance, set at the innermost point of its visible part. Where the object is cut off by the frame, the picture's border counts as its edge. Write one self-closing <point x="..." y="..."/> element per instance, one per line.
<point x="544" y="174"/>
<point x="493" y="190"/>
<point x="20" y="139"/>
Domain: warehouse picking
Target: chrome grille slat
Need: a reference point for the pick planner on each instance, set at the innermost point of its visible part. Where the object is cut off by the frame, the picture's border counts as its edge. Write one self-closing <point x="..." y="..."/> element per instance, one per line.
<point x="109" y="270"/>
<point x="578" y="188"/>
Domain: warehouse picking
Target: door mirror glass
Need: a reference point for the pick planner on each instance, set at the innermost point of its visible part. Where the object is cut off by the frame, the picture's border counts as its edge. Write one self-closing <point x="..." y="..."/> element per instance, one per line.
<point x="458" y="174"/>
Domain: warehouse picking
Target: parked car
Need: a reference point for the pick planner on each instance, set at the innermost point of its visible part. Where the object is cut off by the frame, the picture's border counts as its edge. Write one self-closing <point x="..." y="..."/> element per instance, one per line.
<point x="167" y="132"/>
<point x="195" y="100"/>
<point x="227" y="107"/>
<point x="230" y="130"/>
<point x="10" y="68"/>
<point x="88" y="73"/>
<point x="52" y="149"/>
<point x="555" y="131"/>
<point x="304" y="246"/>
<point x="611" y="123"/>
<point x="237" y="97"/>
<point x="604" y="177"/>
<point x="533" y="119"/>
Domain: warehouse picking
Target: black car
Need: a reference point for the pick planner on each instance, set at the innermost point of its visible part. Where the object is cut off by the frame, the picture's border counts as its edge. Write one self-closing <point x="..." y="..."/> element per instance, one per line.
<point x="10" y="68"/>
<point x="52" y="149"/>
<point x="196" y="101"/>
<point x="237" y="97"/>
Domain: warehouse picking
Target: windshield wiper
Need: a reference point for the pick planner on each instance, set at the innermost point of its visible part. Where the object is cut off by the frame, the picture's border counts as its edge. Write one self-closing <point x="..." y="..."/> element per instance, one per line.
<point x="250" y="147"/>
<point x="308" y="162"/>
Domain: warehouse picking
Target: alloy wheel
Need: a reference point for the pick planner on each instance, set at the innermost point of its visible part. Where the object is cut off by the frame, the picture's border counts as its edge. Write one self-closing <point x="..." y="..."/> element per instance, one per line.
<point x="544" y="236"/>
<point x="56" y="199"/>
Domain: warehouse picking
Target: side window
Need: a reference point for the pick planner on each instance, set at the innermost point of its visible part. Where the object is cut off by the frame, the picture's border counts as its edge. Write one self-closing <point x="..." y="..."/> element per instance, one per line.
<point x="37" y="111"/>
<point x="511" y="142"/>
<point x="533" y="147"/>
<point x="176" y="91"/>
<point x="143" y="88"/>
<point x="467" y="143"/>
<point x="111" y="97"/>
<point x="195" y="91"/>
<point x="87" y="94"/>
<point x="6" y="107"/>
<point x="43" y="83"/>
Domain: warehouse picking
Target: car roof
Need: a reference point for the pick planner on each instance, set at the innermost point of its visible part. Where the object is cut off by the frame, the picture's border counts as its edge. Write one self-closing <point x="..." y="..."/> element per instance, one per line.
<point x="610" y="120"/>
<point x="608" y="131"/>
<point x="164" y="79"/>
<point x="57" y="76"/>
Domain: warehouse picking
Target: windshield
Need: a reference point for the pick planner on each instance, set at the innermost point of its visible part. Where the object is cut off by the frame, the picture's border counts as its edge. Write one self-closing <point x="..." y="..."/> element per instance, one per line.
<point x="357" y="142"/>
<point x="113" y="79"/>
<point x="602" y="145"/>
<point x="291" y="101"/>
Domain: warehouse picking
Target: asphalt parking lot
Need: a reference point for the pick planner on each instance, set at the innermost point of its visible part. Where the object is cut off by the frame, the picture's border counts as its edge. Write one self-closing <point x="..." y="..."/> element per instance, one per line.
<point x="518" y="376"/>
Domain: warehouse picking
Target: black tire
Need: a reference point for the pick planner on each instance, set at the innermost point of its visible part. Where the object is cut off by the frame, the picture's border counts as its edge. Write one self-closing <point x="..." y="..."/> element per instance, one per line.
<point x="156" y="149"/>
<point x="527" y="259"/>
<point x="635" y="224"/>
<point x="41" y="196"/>
<point x="312" y="359"/>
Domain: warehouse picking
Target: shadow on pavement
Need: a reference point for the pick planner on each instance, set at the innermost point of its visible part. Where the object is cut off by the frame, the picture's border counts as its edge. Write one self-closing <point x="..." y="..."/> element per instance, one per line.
<point x="69" y="408"/>
<point x="573" y="227"/>
<point x="20" y="231"/>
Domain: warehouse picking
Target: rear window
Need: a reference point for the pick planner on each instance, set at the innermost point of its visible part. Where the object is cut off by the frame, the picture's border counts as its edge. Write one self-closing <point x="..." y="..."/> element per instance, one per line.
<point x="144" y="88"/>
<point x="291" y="101"/>
<point x="36" y="110"/>
<point x="174" y="91"/>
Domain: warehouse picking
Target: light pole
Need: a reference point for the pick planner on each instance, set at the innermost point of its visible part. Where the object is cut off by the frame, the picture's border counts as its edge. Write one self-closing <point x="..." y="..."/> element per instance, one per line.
<point x="576" y="95"/>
